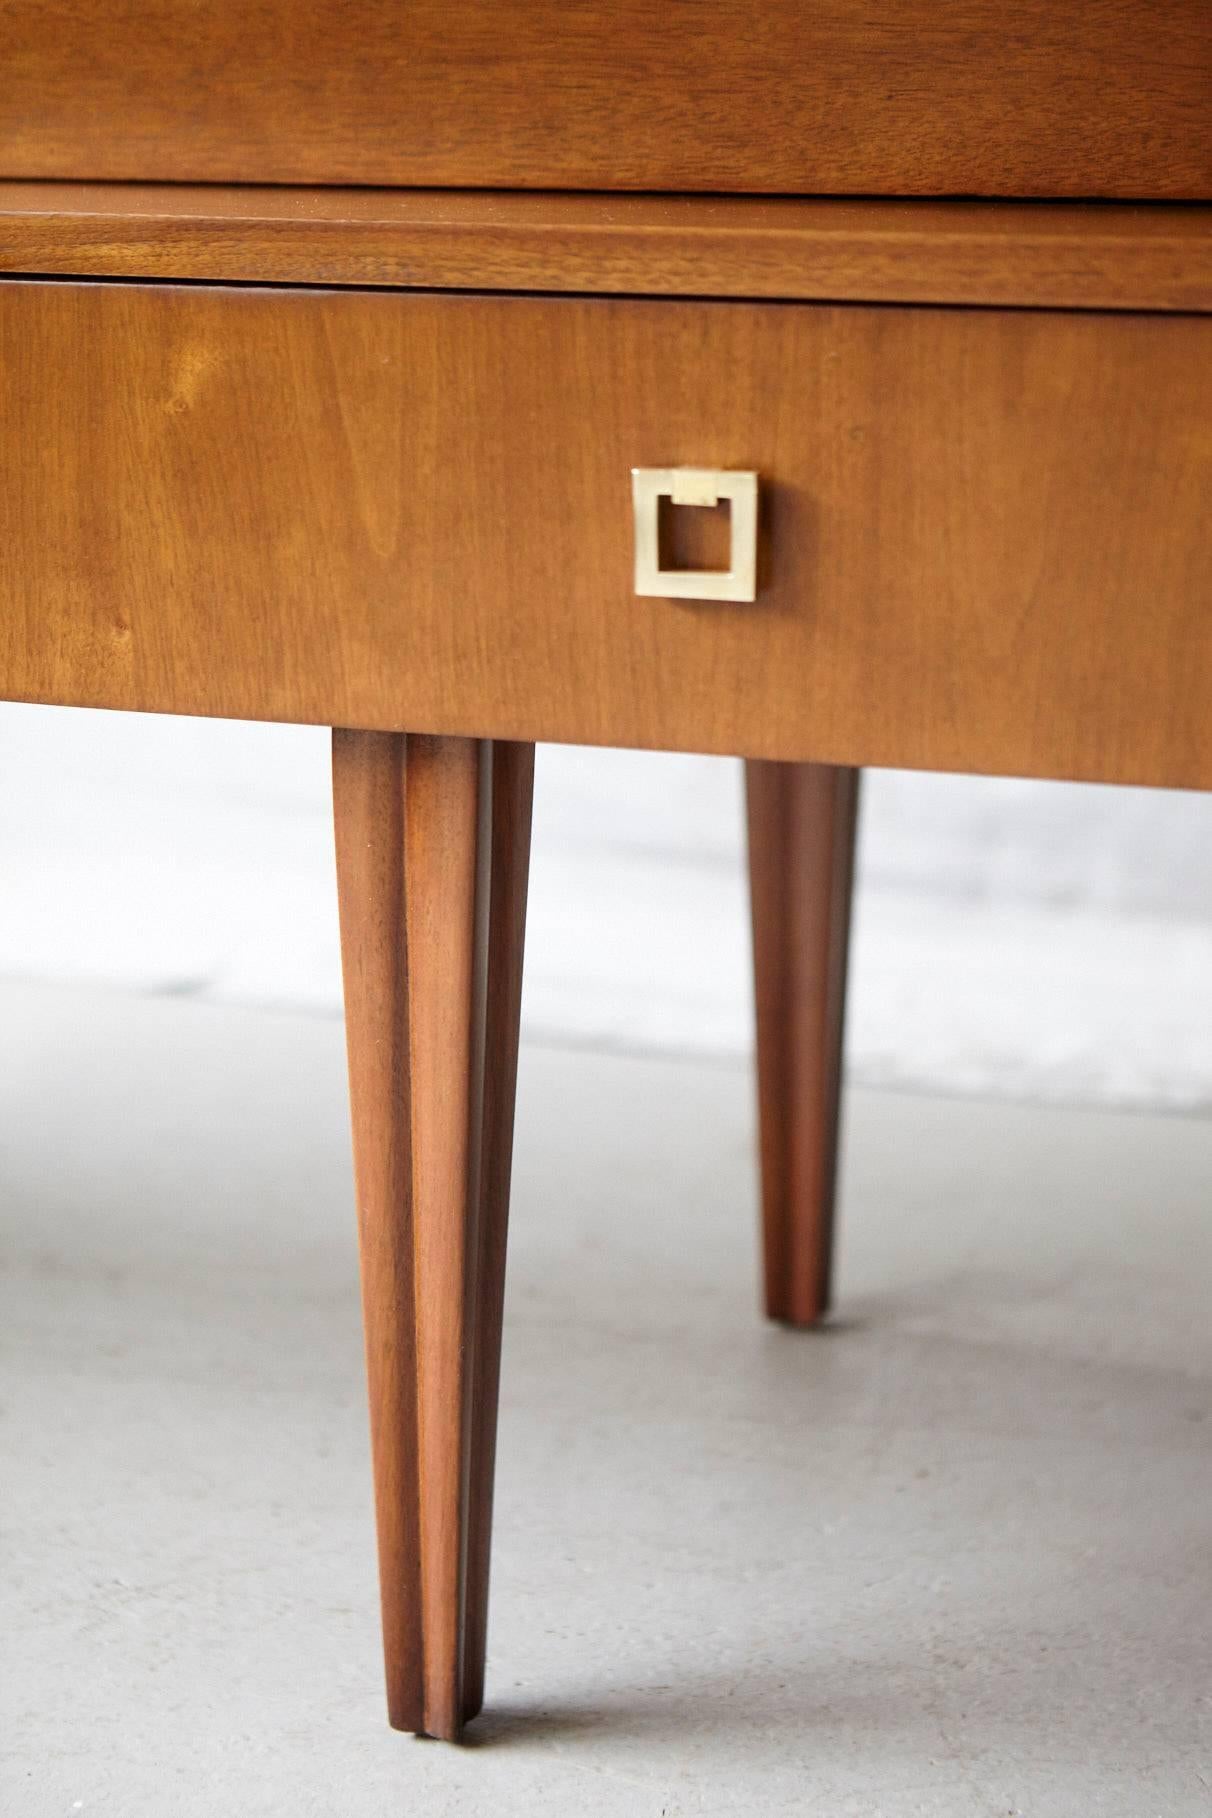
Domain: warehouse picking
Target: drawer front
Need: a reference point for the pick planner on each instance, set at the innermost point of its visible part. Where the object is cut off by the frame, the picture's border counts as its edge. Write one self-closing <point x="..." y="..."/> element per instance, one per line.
<point x="984" y="536"/>
<point x="837" y="97"/>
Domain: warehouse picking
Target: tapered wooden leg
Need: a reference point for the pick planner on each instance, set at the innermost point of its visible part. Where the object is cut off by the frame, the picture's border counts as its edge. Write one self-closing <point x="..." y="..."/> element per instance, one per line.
<point x="512" y="796"/>
<point x="802" y="820"/>
<point x="432" y="849"/>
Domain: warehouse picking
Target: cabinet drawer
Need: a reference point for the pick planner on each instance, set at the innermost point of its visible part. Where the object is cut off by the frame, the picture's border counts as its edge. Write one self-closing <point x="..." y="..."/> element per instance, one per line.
<point x="983" y="543"/>
<point x="837" y="97"/>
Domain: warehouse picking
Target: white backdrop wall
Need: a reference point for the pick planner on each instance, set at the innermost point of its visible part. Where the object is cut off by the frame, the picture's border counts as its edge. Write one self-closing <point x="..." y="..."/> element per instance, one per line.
<point x="1031" y="939"/>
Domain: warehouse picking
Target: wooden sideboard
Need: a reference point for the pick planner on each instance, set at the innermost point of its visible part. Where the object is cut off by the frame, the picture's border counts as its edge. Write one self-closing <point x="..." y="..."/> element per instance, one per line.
<point x="277" y="447"/>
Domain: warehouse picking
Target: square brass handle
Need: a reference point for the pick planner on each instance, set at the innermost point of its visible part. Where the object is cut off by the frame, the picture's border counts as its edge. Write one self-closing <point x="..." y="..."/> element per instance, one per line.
<point x="695" y="486"/>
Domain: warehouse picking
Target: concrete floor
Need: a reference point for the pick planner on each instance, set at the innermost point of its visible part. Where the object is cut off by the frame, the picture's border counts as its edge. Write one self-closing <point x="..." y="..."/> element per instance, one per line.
<point x="951" y="1556"/>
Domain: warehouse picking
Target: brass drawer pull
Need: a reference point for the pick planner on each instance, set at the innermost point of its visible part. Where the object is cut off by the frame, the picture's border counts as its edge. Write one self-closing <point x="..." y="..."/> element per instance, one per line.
<point x="695" y="486"/>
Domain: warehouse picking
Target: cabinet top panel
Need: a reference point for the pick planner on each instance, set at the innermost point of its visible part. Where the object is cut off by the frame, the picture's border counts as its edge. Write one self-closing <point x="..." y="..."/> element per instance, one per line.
<point x="842" y="97"/>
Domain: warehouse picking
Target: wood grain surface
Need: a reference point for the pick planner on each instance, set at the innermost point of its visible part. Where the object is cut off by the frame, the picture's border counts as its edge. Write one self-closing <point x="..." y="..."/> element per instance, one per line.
<point x="927" y="97"/>
<point x="1053" y="255"/>
<point x="432" y="846"/>
<point x="985" y="541"/>
<point x="801" y="824"/>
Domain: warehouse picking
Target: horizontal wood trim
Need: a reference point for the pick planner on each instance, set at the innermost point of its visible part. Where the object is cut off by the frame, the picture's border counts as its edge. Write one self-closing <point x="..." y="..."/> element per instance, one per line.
<point x="1094" y="98"/>
<point x="1102" y="256"/>
<point x="985" y="540"/>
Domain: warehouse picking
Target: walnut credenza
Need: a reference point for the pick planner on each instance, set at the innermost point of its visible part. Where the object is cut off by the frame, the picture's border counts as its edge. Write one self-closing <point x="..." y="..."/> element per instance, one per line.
<point x="343" y="380"/>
